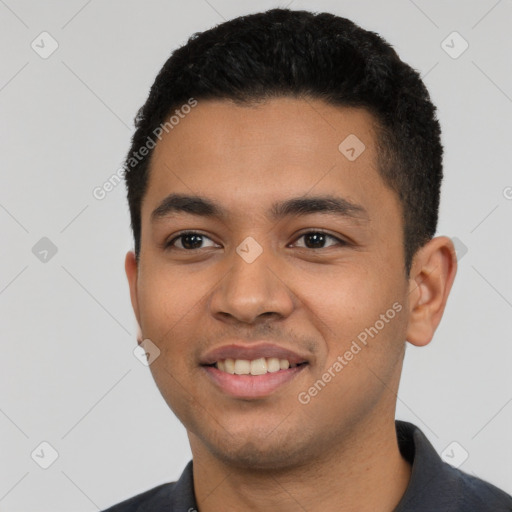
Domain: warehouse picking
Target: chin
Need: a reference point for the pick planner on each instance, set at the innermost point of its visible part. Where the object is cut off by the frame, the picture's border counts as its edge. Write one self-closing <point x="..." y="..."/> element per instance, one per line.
<point x="264" y="451"/>
<point x="253" y="457"/>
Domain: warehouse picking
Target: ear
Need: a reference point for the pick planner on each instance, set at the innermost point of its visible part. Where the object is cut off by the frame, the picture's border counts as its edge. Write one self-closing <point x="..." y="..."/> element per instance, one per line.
<point x="131" y="269"/>
<point x="432" y="274"/>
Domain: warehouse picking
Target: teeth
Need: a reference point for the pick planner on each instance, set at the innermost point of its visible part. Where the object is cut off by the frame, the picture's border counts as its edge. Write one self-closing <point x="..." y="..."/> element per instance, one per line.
<point x="259" y="366"/>
<point x="284" y="364"/>
<point x="273" y="364"/>
<point x="229" y="366"/>
<point x="242" y="367"/>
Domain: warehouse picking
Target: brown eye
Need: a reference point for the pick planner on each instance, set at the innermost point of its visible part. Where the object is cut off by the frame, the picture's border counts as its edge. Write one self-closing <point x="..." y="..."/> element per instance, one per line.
<point x="189" y="241"/>
<point x="318" y="240"/>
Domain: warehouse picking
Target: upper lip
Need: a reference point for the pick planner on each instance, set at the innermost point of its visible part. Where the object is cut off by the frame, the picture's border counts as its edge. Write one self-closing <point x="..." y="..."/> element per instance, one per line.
<point x="254" y="351"/>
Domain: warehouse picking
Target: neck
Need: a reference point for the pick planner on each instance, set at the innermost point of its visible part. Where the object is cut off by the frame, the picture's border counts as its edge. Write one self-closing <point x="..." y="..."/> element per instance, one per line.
<point x="363" y="474"/>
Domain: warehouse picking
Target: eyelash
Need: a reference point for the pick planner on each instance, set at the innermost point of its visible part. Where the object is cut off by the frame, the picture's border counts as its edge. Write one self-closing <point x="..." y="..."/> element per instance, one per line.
<point x="169" y="245"/>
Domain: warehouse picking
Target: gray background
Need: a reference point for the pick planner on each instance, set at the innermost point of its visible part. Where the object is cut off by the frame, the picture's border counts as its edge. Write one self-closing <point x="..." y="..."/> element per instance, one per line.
<point x="68" y="374"/>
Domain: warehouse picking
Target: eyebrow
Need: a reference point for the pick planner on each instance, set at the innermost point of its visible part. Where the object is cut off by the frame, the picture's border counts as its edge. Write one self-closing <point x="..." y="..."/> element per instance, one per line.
<point x="201" y="206"/>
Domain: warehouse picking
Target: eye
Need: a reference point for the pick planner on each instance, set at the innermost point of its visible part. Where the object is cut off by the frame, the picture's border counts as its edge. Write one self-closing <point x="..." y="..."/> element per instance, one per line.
<point x="318" y="240"/>
<point x="189" y="240"/>
<point x="192" y="240"/>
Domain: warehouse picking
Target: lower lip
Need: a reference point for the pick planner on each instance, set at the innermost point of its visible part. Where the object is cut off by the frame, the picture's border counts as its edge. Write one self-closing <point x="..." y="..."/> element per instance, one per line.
<point x="252" y="386"/>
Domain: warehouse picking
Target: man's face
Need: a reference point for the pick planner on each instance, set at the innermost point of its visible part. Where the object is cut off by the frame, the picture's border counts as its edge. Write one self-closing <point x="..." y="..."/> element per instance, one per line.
<point x="272" y="278"/>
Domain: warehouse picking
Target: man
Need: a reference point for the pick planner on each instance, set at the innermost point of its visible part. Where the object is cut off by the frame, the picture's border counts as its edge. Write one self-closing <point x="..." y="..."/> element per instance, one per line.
<point x="283" y="184"/>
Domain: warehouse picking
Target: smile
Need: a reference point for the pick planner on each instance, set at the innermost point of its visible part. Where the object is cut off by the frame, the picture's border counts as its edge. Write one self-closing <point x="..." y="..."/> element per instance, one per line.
<point x="247" y="385"/>
<point x="259" y="366"/>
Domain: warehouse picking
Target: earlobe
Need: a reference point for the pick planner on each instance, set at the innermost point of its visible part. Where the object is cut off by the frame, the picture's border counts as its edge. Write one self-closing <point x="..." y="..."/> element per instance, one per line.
<point x="432" y="275"/>
<point x="131" y="269"/>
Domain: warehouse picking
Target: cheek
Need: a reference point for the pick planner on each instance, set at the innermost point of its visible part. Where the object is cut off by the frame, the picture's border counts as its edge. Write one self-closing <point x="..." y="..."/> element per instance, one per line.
<point x="169" y="305"/>
<point x="363" y="326"/>
<point x="348" y="298"/>
<point x="167" y="300"/>
<point x="360" y="312"/>
<point x="172" y="310"/>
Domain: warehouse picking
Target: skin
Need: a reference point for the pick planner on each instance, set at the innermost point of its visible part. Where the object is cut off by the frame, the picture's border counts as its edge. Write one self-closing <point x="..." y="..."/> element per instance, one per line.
<point x="339" y="451"/>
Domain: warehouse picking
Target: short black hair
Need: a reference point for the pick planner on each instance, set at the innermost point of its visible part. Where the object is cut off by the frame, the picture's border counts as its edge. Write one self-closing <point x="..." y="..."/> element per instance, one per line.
<point x="302" y="54"/>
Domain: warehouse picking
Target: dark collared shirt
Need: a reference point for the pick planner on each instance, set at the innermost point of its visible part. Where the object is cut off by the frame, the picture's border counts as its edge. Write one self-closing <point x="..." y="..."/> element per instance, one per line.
<point x="434" y="485"/>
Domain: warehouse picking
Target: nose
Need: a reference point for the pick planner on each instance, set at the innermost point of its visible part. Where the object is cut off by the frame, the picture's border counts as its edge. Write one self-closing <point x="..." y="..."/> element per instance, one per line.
<point x="253" y="291"/>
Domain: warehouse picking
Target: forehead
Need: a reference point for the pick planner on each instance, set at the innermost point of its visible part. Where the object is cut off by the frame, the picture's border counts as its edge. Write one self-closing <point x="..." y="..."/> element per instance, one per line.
<point x="249" y="157"/>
